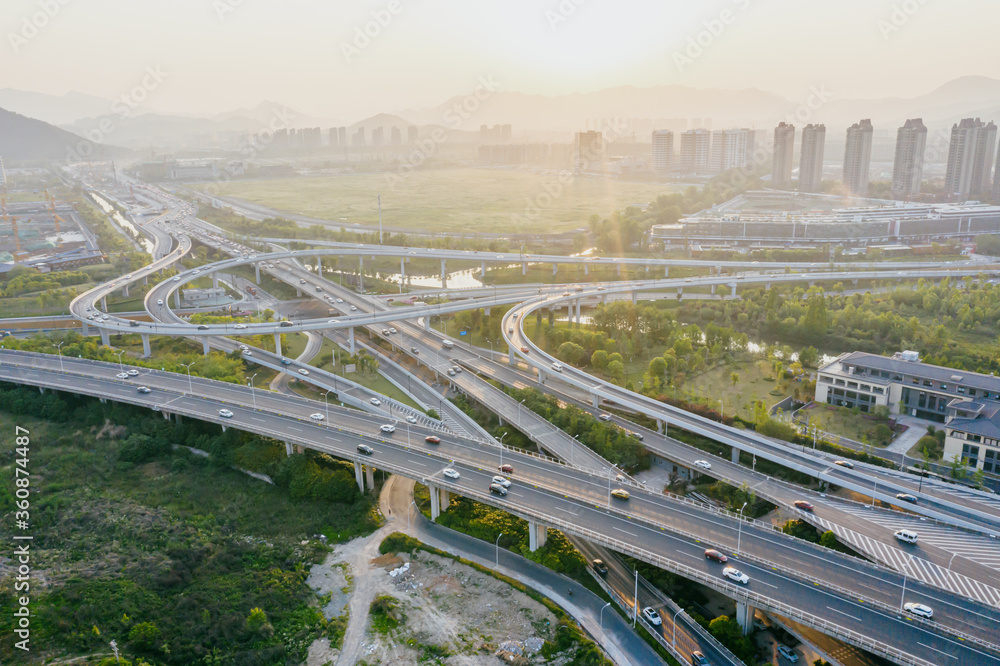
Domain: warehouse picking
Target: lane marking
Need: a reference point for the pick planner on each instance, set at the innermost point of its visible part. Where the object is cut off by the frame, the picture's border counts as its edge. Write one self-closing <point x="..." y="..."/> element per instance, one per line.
<point x="857" y="619"/>
<point x="937" y="650"/>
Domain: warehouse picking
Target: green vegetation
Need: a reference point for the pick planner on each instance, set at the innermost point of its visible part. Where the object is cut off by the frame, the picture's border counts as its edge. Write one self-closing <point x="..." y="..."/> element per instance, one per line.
<point x="487" y="523"/>
<point x="447" y="200"/>
<point x="176" y="557"/>
<point x="607" y="440"/>
<point x="949" y="326"/>
<point x="385" y="614"/>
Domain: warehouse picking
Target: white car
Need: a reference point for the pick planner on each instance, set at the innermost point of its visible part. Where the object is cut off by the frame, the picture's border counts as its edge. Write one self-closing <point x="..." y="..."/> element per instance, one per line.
<point x="159" y="301"/>
<point x="734" y="574"/>
<point x="919" y="609"/>
<point x="225" y="413"/>
<point x="247" y="352"/>
<point x="704" y="464"/>
<point x="652" y="616"/>
<point x="177" y="278"/>
<point x="787" y="653"/>
<point x="303" y="372"/>
<point x="392" y="330"/>
<point x="501" y="481"/>
<point x="240" y="327"/>
<point x="410" y="418"/>
<point x="376" y="402"/>
<point x="122" y="375"/>
<point x="451" y="473"/>
<point x="340" y="300"/>
<point x="388" y="428"/>
<point x="316" y="417"/>
<point x="354" y="308"/>
<point x="132" y="373"/>
<point x="605" y="417"/>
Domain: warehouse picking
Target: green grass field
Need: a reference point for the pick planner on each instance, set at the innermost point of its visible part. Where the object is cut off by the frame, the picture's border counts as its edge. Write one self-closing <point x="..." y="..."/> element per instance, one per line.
<point x="448" y="200"/>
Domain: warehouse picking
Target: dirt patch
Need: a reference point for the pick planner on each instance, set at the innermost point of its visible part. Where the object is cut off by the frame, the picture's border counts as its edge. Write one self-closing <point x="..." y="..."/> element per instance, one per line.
<point x="331" y="582"/>
<point x="388" y="561"/>
<point x="456" y="615"/>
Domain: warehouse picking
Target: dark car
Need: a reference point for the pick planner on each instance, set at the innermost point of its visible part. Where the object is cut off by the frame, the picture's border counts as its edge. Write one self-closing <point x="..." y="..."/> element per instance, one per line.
<point x="202" y="327"/>
<point x="906" y="497"/>
<point x="497" y="489"/>
<point x="600" y="568"/>
<point x="698" y="659"/>
<point x="804" y="505"/>
<point x="432" y="439"/>
<point x="713" y="554"/>
<point x="365" y="449"/>
<point x="286" y="324"/>
<point x="506" y="469"/>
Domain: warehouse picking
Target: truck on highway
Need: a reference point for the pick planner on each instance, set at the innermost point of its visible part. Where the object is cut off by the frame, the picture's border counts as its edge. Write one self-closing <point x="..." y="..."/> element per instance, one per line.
<point x="251" y="290"/>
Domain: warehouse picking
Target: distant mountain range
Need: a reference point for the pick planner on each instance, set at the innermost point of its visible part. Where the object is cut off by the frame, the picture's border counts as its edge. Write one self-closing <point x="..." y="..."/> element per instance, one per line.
<point x="537" y="115"/>
<point x="24" y="139"/>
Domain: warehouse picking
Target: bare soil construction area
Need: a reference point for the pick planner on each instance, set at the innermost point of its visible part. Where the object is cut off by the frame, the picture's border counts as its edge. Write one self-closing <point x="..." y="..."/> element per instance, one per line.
<point x="440" y="611"/>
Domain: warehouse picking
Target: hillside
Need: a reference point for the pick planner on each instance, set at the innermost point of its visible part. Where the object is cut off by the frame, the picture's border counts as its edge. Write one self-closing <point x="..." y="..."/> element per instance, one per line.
<point x="24" y="139"/>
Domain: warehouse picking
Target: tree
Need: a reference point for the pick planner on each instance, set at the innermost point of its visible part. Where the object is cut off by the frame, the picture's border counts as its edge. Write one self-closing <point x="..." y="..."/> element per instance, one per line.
<point x="734" y="378"/>
<point x="828" y="540"/>
<point x="143" y="636"/>
<point x="814" y="323"/>
<point x="616" y="369"/>
<point x="599" y="359"/>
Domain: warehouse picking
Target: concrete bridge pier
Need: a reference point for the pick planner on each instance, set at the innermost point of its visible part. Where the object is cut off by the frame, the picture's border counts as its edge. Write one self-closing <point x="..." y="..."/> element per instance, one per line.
<point x="145" y="280"/>
<point x="370" y="476"/>
<point x="104" y="303"/>
<point x="595" y="400"/>
<point x="359" y="477"/>
<point x="256" y="268"/>
<point x="86" y="329"/>
<point x="166" y="416"/>
<point x="541" y="376"/>
<point x="511" y="358"/>
<point x="146" y="351"/>
<point x="744" y="616"/>
<point x="735" y="455"/>
<point x="482" y="269"/>
<point x="435" y="501"/>
<point x="125" y="290"/>
<point x="41" y="389"/>
<point x="215" y="280"/>
<point x="361" y="273"/>
<point x="635" y="297"/>
<point x="204" y="345"/>
<point x="555" y="268"/>
<point x="586" y="269"/>
<point x="524" y="268"/>
<point x="537" y="535"/>
<point x="277" y="344"/>
<point x="402" y="271"/>
<point x="177" y="299"/>
<point x="288" y="448"/>
<point x="578" y="301"/>
<point x="445" y="499"/>
<point x="444" y="274"/>
<point x="713" y="290"/>
<point x="105" y="337"/>
<point x="427" y="322"/>
<point x="619" y="267"/>
<point x="666" y="271"/>
<point x="732" y="290"/>
<point x="659" y="426"/>
<point x="319" y="265"/>
<point x="350" y="340"/>
<point x="298" y="293"/>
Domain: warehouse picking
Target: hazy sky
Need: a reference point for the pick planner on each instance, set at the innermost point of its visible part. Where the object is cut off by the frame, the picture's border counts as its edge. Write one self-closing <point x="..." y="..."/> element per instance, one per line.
<point x="293" y="51"/>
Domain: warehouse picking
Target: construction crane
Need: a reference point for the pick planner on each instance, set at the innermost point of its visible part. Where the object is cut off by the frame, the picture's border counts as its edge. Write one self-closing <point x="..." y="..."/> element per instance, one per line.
<point x="13" y="223"/>
<point x="55" y="216"/>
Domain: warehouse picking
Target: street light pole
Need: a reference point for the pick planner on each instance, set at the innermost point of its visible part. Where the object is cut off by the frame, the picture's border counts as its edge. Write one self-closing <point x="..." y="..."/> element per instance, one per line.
<point x="498" y="549"/>
<point x="501" y="447"/>
<point x="326" y="399"/>
<point x="413" y="503"/>
<point x="739" y="535"/>
<point x="253" y="393"/>
<point x="59" y="348"/>
<point x="602" y="614"/>
<point x="121" y="367"/>
<point x="188" y="366"/>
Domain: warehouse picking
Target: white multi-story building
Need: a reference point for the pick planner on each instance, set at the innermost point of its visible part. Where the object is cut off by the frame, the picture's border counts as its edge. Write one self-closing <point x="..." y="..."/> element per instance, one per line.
<point x="695" y="153"/>
<point x="811" y="159"/>
<point x="784" y="147"/>
<point x="970" y="158"/>
<point x="908" y="165"/>
<point x="729" y="149"/>
<point x="663" y="150"/>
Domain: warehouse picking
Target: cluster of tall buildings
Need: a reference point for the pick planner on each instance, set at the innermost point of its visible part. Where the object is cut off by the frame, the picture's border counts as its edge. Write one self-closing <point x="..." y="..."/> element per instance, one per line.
<point x="703" y="150"/>
<point x="360" y="138"/>
<point x="495" y="134"/>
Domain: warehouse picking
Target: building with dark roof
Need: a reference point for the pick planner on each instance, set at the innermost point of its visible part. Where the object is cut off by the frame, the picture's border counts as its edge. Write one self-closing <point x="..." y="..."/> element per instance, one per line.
<point x="902" y="383"/>
<point x="973" y="434"/>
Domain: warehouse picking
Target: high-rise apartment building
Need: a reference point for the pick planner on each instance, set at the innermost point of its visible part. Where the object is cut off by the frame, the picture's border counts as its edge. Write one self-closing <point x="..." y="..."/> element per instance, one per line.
<point x="397" y="136"/>
<point x="342" y="137"/>
<point x="908" y="164"/>
<point x="588" y="151"/>
<point x="729" y="149"/>
<point x="970" y="158"/>
<point x="663" y="150"/>
<point x="358" y="139"/>
<point x="332" y="138"/>
<point x="378" y="136"/>
<point x="811" y="158"/>
<point x="411" y="133"/>
<point x="695" y="151"/>
<point x="858" y="157"/>
<point x="784" y="145"/>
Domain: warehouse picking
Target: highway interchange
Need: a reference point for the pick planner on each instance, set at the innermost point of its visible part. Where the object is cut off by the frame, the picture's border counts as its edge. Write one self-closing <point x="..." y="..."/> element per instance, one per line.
<point x="817" y="586"/>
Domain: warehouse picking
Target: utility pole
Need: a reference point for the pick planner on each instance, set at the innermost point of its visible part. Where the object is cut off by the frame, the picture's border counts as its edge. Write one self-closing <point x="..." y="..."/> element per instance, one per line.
<point x="379" y="219"/>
